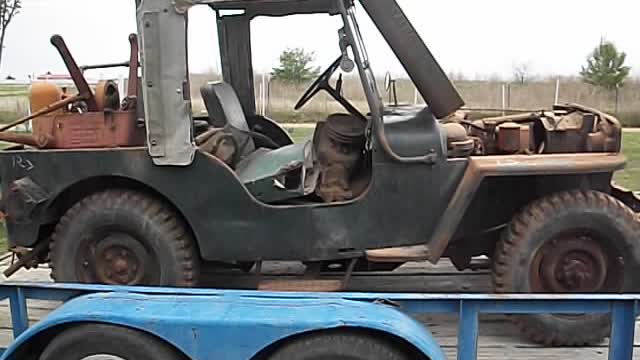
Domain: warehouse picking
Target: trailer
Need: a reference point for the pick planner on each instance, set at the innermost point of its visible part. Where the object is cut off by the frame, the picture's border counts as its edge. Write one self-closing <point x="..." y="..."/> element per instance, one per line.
<point x="199" y="324"/>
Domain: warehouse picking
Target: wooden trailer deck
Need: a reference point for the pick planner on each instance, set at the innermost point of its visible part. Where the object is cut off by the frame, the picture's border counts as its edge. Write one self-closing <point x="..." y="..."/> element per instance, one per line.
<point x="499" y="339"/>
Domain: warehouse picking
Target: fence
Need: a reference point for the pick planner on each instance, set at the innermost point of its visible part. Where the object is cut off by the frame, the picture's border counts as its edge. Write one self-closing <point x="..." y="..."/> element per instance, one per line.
<point x="277" y="99"/>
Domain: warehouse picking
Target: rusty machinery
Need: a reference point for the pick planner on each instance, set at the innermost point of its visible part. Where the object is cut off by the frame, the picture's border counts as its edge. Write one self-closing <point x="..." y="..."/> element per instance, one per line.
<point x="89" y="119"/>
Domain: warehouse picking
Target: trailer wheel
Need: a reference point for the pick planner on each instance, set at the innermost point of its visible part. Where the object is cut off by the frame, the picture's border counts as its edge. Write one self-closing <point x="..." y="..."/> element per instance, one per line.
<point x="121" y="237"/>
<point x="107" y="341"/>
<point x="571" y="242"/>
<point x="340" y="346"/>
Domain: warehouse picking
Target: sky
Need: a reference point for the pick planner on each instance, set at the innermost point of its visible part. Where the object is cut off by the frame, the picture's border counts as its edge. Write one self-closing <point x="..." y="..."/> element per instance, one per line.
<point x="477" y="39"/>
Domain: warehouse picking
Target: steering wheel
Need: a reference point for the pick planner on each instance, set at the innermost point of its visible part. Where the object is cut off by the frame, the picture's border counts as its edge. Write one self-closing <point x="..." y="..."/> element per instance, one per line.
<point x="322" y="83"/>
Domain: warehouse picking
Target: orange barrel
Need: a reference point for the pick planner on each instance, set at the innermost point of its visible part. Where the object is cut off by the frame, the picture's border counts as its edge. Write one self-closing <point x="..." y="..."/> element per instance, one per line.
<point x="43" y="94"/>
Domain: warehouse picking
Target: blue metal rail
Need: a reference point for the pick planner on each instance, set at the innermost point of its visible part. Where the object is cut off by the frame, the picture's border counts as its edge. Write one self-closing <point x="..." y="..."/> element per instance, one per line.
<point x="623" y="308"/>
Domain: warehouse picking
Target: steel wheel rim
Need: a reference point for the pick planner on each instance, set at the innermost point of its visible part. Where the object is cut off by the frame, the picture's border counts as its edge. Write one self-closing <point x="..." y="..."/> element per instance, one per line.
<point x="116" y="257"/>
<point x="576" y="262"/>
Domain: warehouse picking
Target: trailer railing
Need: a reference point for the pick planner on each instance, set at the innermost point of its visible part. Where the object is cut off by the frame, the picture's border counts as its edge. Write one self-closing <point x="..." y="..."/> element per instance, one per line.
<point x="623" y="308"/>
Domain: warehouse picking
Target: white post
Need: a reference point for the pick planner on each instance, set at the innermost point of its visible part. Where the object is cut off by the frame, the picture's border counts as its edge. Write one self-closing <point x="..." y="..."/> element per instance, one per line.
<point x="504" y="99"/>
<point x="265" y="94"/>
<point x="122" y="87"/>
<point x="557" y="98"/>
<point x="260" y="99"/>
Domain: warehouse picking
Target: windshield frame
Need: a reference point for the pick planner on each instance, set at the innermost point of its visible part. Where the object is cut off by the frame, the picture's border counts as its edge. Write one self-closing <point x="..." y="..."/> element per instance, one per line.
<point x="367" y="77"/>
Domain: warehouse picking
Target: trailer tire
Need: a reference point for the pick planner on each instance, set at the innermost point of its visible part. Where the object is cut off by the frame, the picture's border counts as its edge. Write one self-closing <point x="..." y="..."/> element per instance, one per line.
<point x="338" y="345"/>
<point x="123" y="237"/>
<point x="83" y="341"/>
<point x="570" y="242"/>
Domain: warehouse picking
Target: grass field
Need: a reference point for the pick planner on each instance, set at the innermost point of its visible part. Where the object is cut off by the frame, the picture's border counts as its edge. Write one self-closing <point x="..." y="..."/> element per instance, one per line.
<point x="630" y="177"/>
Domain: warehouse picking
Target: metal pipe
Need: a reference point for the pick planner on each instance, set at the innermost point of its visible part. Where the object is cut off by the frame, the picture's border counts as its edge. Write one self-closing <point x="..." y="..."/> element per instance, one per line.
<point x="25" y="139"/>
<point x="104" y="66"/>
<point x="53" y="107"/>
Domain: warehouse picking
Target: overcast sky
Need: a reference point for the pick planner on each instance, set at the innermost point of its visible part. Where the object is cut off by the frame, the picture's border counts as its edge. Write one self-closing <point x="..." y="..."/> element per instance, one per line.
<point x="479" y="39"/>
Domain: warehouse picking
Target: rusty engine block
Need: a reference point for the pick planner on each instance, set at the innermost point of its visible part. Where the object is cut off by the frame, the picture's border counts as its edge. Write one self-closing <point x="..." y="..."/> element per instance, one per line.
<point x="569" y="128"/>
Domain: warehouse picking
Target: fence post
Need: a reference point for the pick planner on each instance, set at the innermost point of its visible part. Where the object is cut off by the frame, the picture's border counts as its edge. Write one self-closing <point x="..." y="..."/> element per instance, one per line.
<point x="504" y="99"/>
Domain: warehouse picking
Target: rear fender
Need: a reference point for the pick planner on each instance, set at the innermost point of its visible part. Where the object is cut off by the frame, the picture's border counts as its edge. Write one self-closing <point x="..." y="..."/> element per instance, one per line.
<point x="627" y="196"/>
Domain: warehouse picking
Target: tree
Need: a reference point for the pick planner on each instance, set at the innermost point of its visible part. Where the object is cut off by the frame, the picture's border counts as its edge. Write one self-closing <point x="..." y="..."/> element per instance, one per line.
<point x="521" y="73"/>
<point x="8" y="10"/>
<point x="605" y="67"/>
<point x="295" y="66"/>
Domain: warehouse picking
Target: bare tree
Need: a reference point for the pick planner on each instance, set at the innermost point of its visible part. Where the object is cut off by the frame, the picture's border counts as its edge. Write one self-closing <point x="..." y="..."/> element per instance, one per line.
<point x="8" y="10"/>
<point x="521" y="72"/>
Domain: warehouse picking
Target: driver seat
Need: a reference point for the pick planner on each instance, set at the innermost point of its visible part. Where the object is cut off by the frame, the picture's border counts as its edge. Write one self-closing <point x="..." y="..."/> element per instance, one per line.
<point x="224" y="107"/>
<point x="270" y="175"/>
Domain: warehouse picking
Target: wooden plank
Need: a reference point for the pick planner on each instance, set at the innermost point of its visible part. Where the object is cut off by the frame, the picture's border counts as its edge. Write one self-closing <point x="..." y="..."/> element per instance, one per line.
<point x="301" y="285"/>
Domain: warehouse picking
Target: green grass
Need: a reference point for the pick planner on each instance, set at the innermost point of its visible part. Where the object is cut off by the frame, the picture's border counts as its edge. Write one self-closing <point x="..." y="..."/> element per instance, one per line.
<point x="300" y="134"/>
<point x="8" y="116"/>
<point x="629" y="178"/>
<point x="14" y="90"/>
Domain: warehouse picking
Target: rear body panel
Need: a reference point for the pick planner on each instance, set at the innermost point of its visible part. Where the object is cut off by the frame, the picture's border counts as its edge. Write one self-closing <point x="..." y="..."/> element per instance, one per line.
<point x="228" y="222"/>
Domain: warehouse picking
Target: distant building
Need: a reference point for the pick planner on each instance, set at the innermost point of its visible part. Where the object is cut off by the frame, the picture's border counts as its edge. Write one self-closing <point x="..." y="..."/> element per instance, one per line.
<point x="60" y="79"/>
<point x="54" y="77"/>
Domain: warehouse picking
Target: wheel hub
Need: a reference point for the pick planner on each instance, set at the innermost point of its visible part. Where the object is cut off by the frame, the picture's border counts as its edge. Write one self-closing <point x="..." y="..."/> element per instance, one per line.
<point x="120" y="260"/>
<point x="569" y="265"/>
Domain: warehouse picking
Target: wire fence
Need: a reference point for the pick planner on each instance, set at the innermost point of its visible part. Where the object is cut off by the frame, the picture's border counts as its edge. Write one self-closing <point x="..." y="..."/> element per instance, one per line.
<point x="276" y="99"/>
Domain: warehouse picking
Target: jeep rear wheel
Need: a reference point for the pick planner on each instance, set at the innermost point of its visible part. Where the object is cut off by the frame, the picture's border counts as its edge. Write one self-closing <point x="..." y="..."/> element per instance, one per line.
<point x="121" y="237"/>
<point x="572" y="242"/>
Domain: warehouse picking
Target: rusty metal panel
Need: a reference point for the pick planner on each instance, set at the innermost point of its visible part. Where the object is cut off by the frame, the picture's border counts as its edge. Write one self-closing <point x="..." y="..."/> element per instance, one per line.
<point x="90" y="130"/>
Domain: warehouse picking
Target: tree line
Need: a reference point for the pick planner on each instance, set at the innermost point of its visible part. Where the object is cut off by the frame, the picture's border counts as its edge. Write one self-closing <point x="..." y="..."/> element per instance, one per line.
<point x="605" y="67"/>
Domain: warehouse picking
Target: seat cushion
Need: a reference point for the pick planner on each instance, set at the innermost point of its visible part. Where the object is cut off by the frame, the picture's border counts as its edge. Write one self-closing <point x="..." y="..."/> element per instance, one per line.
<point x="225" y="110"/>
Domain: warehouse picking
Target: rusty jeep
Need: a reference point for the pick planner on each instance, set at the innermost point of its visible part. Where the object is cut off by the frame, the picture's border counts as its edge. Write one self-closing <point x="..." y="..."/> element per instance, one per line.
<point x="140" y="191"/>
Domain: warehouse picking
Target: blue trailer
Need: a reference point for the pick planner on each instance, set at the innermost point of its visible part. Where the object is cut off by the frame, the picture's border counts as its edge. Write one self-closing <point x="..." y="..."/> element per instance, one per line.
<point x="137" y="323"/>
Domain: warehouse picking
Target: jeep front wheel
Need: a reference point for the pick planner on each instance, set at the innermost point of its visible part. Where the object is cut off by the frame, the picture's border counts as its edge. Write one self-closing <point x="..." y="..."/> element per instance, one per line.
<point x="122" y="237"/>
<point x="571" y="242"/>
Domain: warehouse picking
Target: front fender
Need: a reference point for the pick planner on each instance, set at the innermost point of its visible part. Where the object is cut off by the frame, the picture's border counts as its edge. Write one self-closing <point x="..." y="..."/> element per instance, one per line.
<point x="231" y="326"/>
